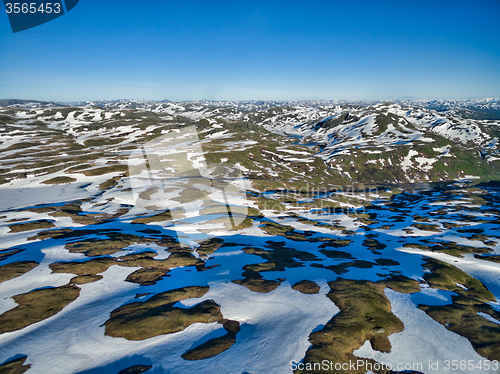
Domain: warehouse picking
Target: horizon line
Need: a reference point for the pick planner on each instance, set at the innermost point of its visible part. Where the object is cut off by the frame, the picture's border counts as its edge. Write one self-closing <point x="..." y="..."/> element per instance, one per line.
<point x="252" y="100"/>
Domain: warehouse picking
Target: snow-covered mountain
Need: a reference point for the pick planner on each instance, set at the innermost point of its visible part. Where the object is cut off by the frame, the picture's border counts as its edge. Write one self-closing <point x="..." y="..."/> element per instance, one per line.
<point x="488" y="108"/>
<point x="364" y="143"/>
<point x="395" y="143"/>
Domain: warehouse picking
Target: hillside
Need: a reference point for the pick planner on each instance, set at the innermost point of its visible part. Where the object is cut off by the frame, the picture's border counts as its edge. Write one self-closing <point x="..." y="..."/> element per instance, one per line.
<point x="366" y="144"/>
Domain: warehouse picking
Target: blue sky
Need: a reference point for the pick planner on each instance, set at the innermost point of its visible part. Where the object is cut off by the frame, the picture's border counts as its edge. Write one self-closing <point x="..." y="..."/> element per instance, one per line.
<point x="265" y="50"/>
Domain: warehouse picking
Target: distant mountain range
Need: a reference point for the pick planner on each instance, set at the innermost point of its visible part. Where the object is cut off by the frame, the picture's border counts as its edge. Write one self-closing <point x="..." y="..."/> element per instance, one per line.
<point x="488" y="108"/>
<point x="366" y="143"/>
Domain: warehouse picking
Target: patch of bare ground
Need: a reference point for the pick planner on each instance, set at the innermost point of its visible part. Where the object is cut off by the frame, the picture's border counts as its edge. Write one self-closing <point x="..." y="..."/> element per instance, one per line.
<point x="74" y="211"/>
<point x="215" y="346"/>
<point x="365" y="314"/>
<point x="114" y="242"/>
<point x="427" y="227"/>
<point x="33" y="225"/>
<point x="278" y="257"/>
<point x="59" y="180"/>
<point x="15" y="366"/>
<point x="15" y="269"/>
<point x="257" y="284"/>
<point x="209" y="246"/>
<point x="136" y="369"/>
<point x="104" y="170"/>
<point x="306" y="287"/>
<point x="462" y="316"/>
<point x="36" y="306"/>
<point x="492" y="258"/>
<point x="273" y="228"/>
<point x="110" y="183"/>
<point x="450" y="248"/>
<point x="158" y="316"/>
<point x="150" y="271"/>
<point x="83" y="279"/>
<point x="161" y="217"/>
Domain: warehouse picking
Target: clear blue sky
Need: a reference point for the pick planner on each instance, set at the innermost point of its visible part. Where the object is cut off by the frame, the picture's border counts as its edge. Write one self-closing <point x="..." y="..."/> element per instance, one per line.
<point x="269" y="50"/>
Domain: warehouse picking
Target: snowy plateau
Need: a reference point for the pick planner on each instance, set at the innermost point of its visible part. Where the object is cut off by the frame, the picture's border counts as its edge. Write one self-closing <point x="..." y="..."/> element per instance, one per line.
<point x="250" y="237"/>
